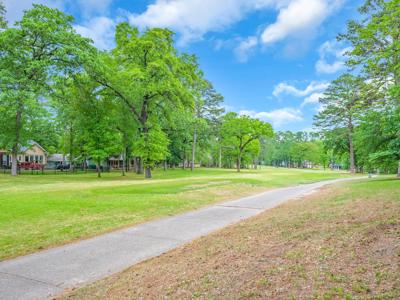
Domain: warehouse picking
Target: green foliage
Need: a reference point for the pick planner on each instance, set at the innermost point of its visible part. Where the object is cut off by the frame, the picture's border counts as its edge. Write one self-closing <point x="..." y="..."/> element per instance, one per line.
<point x="96" y="120"/>
<point x="152" y="146"/>
<point x="41" y="46"/>
<point x="341" y="105"/>
<point x="375" y="40"/>
<point x="150" y="80"/>
<point x="3" y="22"/>
<point x="367" y="109"/>
<point x="299" y="150"/>
<point x="240" y="133"/>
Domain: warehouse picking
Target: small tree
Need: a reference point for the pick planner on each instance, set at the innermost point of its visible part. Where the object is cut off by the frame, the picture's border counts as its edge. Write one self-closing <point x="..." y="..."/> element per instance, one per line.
<point x="240" y="131"/>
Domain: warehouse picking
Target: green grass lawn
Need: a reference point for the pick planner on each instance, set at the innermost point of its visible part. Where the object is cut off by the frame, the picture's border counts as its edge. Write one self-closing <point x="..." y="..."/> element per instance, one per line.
<point x="40" y="211"/>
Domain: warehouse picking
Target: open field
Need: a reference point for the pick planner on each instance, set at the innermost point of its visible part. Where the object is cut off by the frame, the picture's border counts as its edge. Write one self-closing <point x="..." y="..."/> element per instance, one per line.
<point x="342" y="243"/>
<point x="40" y="211"/>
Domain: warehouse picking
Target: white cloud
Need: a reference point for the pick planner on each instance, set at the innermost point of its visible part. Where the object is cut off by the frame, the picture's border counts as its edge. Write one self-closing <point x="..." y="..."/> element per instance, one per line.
<point x="299" y="17"/>
<point x="191" y="18"/>
<point x="312" y="99"/>
<point x="284" y="88"/>
<point x="245" y="48"/>
<point x="335" y="53"/>
<point x="194" y="18"/>
<point x="277" y="117"/>
<point x="100" y="30"/>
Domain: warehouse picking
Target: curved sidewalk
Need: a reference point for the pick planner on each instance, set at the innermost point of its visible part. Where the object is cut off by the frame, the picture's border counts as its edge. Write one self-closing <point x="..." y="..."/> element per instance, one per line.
<point x="47" y="273"/>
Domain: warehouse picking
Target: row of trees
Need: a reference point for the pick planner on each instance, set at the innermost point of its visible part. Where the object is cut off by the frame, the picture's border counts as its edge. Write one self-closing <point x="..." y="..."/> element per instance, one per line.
<point x="142" y="99"/>
<point x="297" y="150"/>
<point x="360" y="116"/>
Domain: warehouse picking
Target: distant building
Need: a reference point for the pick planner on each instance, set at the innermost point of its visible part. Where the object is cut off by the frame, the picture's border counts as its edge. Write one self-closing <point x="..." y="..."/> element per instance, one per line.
<point x="34" y="152"/>
<point x="56" y="160"/>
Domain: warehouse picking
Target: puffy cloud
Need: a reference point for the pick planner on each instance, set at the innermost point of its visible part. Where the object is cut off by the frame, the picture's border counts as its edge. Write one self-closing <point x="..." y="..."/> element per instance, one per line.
<point x="312" y="99"/>
<point x="284" y="88"/>
<point x="100" y="30"/>
<point x="245" y="48"/>
<point x="335" y="53"/>
<point x="191" y="18"/>
<point x="277" y="117"/>
<point x="299" y="16"/>
<point x="194" y="18"/>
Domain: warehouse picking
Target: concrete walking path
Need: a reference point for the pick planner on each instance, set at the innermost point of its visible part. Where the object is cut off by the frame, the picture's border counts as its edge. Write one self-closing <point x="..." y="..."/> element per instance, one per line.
<point x="47" y="273"/>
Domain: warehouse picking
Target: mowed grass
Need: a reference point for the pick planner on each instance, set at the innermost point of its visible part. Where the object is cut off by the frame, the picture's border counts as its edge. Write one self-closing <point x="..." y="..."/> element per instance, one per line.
<point x="342" y="242"/>
<point x="40" y="211"/>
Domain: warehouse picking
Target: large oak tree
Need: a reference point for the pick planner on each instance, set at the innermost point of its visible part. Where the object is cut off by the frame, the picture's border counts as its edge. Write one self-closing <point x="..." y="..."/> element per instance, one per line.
<point x="40" y="46"/>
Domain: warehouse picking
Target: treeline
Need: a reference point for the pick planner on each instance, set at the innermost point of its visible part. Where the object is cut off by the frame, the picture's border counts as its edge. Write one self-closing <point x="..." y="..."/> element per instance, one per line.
<point x="142" y="100"/>
<point x="360" y="111"/>
<point x="297" y="150"/>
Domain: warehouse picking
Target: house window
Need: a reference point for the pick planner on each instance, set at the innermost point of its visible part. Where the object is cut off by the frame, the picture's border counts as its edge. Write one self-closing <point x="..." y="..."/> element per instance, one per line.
<point x="40" y="158"/>
<point x="36" y="158"/>
<point x="19" y="158"/>
<point x="26" y="158"/>
<point x="31" y="158"/>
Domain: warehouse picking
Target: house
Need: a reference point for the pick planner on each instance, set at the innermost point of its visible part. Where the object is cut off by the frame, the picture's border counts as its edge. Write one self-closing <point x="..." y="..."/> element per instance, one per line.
<point x="57" y="160"/>
<point x="33" y="153"/>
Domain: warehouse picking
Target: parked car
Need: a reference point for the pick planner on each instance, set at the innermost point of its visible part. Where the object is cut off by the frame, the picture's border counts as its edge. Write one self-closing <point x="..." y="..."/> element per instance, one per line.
<point x="62" y="167"/>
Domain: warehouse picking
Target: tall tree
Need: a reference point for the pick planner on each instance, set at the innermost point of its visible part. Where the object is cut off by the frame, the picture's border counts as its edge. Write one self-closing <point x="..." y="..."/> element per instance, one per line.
<point x="207" y="110"/>
<point x="40" y="46"/>
<point x="97" y="120"/>
<point x="240" y="132"/>
<point x="375" y="41"/>
<point x="341" y="103"/>
<point x="150" y="78"/>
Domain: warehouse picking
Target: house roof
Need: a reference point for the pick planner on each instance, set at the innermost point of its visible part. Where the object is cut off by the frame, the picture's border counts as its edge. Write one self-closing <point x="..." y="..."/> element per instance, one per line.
<point x="57" y="157"/>
<point x="31" y="143"/>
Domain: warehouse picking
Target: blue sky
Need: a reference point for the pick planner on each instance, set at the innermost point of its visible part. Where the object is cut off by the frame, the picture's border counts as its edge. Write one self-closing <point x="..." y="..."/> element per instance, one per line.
<point x="271" y="59"/>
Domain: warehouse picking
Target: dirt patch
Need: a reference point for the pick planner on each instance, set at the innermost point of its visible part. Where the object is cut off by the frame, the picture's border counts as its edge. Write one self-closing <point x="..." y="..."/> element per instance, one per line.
<point x="333" y="244"/>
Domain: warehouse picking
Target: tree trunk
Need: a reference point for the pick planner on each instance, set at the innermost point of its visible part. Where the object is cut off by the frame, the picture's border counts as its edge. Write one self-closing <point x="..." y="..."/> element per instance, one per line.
<point x="220" y="157"/>
<point x="14" y="163"/>
<point x="165" y="165"/>
<point x="351" y="150"/>
<point x="193" y="150"/>
<point x="398" y="170"/>
<point x="98" y="168"/>
<point x="71" y="145"/>
<point x="124" y="162"/>
<point x="148" y="173"/>
<point x="135" y="165"/>
<point x="139" y="165"/>
<point x="14" y="151"/>
<point x="239" y="159"/>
